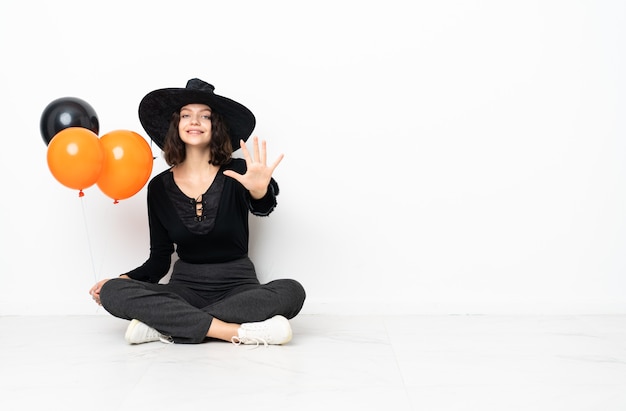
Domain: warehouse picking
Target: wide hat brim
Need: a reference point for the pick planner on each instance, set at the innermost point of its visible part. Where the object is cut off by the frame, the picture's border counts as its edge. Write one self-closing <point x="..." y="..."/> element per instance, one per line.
<point x="157" y="107"/>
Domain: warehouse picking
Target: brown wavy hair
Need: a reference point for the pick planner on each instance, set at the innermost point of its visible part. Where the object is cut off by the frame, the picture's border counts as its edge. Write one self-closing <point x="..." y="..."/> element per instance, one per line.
<point x="220" y="146"/>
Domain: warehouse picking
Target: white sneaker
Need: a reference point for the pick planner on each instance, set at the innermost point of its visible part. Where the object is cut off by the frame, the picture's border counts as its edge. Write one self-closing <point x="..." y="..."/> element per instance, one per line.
<point x="139" y="333"/>
<point x="275" y="330"/>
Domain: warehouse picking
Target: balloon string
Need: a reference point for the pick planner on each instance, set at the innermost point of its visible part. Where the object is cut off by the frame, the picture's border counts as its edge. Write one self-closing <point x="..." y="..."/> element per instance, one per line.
<point x="93" y="266"/>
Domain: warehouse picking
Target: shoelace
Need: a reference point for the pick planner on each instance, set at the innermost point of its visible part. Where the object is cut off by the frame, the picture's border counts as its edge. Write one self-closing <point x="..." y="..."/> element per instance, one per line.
<point x="256" y="341"/>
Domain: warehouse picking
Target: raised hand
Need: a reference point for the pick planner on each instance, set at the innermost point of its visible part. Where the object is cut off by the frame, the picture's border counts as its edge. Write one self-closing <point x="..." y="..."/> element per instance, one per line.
<point x="258" y="173"/>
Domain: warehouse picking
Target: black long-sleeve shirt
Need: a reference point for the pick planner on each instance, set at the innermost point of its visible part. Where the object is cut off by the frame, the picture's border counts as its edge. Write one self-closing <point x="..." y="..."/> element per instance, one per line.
<point x="221" y="234"/>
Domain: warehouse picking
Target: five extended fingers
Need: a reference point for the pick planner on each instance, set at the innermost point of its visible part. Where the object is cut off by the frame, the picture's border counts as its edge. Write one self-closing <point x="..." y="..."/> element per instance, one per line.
<point x="260" y="152"/>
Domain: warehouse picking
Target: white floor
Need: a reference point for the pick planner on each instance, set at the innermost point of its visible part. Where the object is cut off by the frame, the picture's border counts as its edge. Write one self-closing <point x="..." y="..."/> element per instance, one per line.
<point x="482" y="363"/>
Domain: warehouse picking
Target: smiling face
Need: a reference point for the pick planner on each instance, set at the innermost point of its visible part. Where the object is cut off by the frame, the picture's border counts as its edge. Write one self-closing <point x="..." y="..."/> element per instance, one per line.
<point x="194" y="126"/>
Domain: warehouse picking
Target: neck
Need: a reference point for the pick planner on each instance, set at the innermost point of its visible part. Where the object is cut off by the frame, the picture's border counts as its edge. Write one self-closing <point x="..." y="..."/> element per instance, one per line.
<point x="197" y="159"/>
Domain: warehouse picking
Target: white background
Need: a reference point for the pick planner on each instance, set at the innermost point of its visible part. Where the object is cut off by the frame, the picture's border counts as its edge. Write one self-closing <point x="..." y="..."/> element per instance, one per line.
<point x="441" y="156"/>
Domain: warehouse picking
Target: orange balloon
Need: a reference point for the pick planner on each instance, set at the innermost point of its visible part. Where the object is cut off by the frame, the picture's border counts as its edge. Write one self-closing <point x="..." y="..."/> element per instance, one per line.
<point x="75" y="157"/>
<point x="127" y="164"/>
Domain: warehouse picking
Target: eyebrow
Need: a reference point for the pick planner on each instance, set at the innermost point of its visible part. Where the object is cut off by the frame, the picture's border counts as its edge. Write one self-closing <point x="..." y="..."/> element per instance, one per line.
<point x="187" y="109"/>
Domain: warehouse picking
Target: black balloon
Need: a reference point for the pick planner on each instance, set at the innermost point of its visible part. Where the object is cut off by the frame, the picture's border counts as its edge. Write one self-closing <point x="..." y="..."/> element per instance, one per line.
<point x="67" y="112"/>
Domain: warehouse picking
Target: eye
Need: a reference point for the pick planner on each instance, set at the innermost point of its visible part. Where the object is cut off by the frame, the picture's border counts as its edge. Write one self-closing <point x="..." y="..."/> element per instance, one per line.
<point x="207" y="117"/>
<point x="184" y="115"/>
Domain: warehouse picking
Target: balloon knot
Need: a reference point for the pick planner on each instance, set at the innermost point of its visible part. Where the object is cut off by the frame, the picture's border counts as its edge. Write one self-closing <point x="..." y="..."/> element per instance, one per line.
<point x="115" y="202"/>
<point x="81" y="194"/>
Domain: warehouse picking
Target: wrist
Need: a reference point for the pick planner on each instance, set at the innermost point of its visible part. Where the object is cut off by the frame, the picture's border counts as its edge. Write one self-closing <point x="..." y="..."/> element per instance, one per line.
<point x="257" y="195"/>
